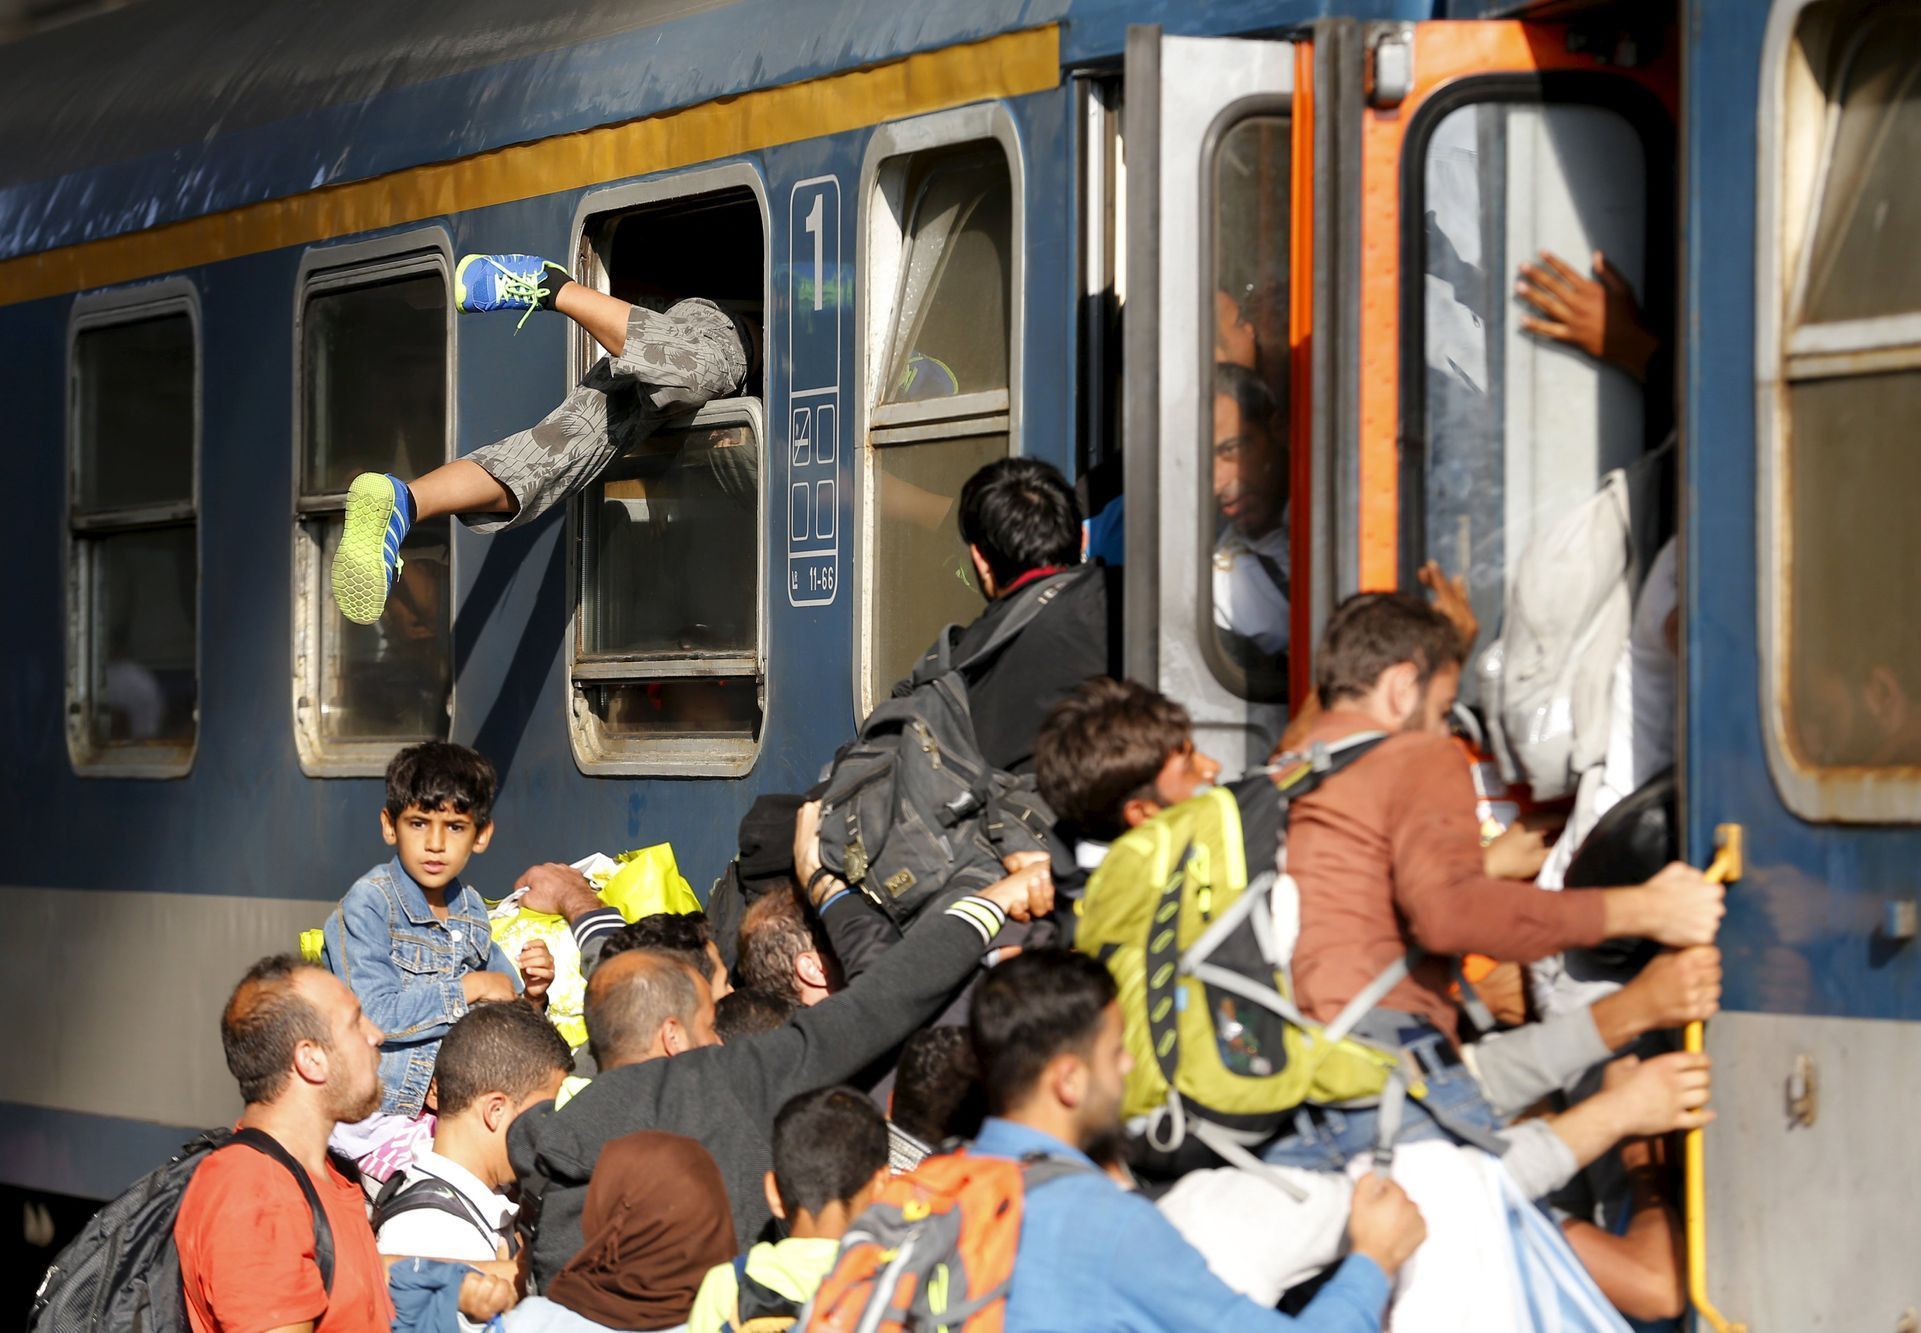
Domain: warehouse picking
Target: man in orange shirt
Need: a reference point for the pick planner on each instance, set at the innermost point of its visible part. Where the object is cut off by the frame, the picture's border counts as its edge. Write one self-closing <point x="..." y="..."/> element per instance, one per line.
<point x="306" y="1058"/>
<point x="1389" y="862"/>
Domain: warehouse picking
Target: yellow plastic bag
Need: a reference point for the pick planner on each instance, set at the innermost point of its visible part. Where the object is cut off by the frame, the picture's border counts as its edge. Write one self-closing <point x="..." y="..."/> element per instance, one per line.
<point x="637" y="883"/>
<point x="645" y="882"/>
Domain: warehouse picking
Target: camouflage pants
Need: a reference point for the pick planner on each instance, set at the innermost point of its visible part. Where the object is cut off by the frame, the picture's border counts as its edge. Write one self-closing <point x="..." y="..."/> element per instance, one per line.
<point x="671" y="364"/>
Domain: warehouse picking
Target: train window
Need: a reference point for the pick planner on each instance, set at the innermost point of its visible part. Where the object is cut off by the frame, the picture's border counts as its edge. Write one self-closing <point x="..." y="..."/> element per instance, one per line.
<point x="951" y="307"/>
<point x="1510" y="430"/>
<point x="1841" y="347"/>
<point x="942" y="339"/>
<point x="1245" y="447"/>
<point x="667" y="665"/>
<point x="1860" y="261"/>
<point x="374" y="373"/>
<point x="133" y="687"/>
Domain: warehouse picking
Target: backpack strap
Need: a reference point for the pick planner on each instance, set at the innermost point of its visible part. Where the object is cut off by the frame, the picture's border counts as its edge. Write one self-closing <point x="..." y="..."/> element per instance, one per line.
<point x="755" y="1300"/>
<point x="1038" y="1169"/>
<point x="423" y="1193"/>
<point x="323" y="1236"/>
<point x="1028" y="603"/>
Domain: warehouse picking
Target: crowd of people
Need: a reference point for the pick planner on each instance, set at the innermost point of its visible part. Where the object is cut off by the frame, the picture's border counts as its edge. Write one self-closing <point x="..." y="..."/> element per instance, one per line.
<point x="775" y="1091"/>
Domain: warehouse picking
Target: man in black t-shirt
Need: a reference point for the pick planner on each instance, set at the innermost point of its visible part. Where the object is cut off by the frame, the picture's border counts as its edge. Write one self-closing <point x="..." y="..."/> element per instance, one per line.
<point x="1022" y="524"/>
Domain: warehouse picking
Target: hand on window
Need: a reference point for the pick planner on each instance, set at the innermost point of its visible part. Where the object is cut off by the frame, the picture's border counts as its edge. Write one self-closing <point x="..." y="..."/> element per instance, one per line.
<point x="1597" y="314"/>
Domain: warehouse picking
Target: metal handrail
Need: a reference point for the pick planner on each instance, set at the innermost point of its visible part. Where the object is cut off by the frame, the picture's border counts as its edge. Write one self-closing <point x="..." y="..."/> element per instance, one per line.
<point x="1725" y="869"/>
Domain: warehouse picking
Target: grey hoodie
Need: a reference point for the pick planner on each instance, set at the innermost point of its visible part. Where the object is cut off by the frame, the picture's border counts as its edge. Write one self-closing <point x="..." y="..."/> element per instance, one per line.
<point x="726" y="1096"/>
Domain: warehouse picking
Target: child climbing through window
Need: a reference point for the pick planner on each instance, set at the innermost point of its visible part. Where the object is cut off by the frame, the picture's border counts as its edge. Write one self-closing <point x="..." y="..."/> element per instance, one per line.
<point x="659" y="364"/>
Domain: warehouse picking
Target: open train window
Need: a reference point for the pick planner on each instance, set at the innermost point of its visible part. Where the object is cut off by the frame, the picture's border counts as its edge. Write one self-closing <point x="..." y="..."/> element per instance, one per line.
<point x="373" y="373"/>
<point x="1839" y="364"/>
<point x="668" y="659"/>
<point x="1506" y="431"/>
<point x="941" y="352"/>
<point x="133" y="555"/>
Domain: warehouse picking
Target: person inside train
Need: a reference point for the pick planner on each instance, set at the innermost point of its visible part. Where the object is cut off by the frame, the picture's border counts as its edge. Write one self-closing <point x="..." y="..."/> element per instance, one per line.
<point x="307" y="1058"/>
<point x="1237" y="344"/>
<point x="409" y="938"/>
<point x="658" y="364"/>
<point x="1021" y="525"/>
<point x="1595" y="313"/>
<point x="1251" y="551"/>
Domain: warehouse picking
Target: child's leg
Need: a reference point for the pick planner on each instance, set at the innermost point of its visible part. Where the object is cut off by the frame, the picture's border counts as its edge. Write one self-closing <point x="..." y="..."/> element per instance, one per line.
<point x="677" y="361"/>
<point x="460" y="487"/>
<point x="464" y="486"/>
<point x="603" y="316"/>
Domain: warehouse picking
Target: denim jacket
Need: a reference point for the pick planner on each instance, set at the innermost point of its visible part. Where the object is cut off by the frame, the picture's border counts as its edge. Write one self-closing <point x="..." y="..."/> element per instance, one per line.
<point x="405" y="966"/>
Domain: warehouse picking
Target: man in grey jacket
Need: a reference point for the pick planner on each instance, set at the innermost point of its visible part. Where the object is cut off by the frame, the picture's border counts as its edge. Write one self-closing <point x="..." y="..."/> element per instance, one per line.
<point x="650" y="1024"/>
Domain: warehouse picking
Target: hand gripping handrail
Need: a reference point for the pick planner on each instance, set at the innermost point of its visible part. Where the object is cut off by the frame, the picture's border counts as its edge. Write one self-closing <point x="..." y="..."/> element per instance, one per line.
<point x="1725" y="869"/>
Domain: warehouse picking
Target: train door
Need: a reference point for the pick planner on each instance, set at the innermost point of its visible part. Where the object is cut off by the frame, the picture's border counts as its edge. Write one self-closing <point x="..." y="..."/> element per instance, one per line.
<point x="1497" y="156"/>
<point x="1215" y="162"/>
<point x="1328" y="379"/>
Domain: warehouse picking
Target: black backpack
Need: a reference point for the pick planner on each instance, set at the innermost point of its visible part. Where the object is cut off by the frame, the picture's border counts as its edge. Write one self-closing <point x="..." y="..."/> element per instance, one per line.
<point x="913" y="813"/>
<point x="121" y="1274"/>
<point x="423" y="1193"/>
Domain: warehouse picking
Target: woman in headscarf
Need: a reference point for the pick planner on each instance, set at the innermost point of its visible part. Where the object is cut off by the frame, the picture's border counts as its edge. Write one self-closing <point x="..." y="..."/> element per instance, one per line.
<point x="656" y="1219"/>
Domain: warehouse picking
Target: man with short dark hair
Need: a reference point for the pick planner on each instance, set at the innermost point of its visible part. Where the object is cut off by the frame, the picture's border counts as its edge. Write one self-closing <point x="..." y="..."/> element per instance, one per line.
<point x="830" y="1159"/>
<point x="451" y="1201"/>
<point x="1048" y="1032"/>
<point x="937" y="1095"/>
<point x="306" y="1058"/>
<point x="684" y="934"/>
<point x="1022" y="526"/>
<point x="1388" y="858"/>
<point x="650" y="1023"/>
<point x="743" y="1012"/>
<point x="1113" y="754"/>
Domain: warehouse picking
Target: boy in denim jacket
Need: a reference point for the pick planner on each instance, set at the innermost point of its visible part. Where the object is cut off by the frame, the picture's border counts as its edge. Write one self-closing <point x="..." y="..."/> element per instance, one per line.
<point x="412" y="940"/>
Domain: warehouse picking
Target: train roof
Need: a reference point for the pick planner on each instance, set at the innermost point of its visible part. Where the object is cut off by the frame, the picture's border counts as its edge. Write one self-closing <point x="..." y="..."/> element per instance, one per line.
<point x="172" y="109"/>
<point x="162" y="74"/>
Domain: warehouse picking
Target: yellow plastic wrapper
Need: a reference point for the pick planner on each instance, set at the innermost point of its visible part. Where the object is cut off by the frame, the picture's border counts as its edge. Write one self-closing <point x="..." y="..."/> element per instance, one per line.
<point x="637" y="883"/>
<point x="645" y="882"/>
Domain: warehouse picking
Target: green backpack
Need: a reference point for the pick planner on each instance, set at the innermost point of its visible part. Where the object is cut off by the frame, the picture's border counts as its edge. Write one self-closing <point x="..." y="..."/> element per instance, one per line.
<point x="1181" y="911"/>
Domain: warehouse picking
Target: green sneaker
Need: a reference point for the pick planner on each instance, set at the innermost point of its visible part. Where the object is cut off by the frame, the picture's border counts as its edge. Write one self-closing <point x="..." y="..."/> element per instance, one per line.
<point x="484" y="283"/>
<point x="380" y="510"/>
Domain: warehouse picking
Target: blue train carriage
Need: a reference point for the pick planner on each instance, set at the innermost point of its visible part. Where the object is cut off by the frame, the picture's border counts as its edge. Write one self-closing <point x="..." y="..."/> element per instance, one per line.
<point x="1015" y="228"/>
<point x="214" y="329"/>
